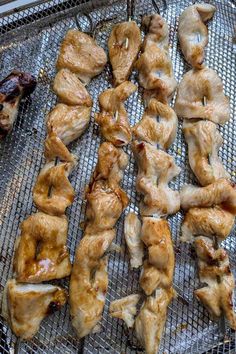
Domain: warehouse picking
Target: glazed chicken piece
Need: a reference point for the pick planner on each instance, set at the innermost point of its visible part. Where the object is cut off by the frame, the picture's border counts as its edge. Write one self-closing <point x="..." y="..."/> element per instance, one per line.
<point x="89" y="281"/>
<point x="125" y="309"/>
<point x="132" y="231"/>
<point x="158" y="270"/>
<point x="54" y="148"/>
<point x="158" y="125"/>
<point x="200" y="95"/>
<point x="193" y="33"/>
<point x="26" y="305"/>
<point x="13" y="88"/>
<point x="40" y="251"/>
<point x="150" y="322"/>
<point x="113" y="119"/>
<point x="70" y="90"/>
<point x="68" y="122"/>
<point x="155" y="170"/>
<point x="81" y="55"/>
<point x="210" y="222"/>
<point x="53" y="192"/>
<point x="204" y="141"/>
<point x="222" y="192"/>
<point x="123" y="44"/>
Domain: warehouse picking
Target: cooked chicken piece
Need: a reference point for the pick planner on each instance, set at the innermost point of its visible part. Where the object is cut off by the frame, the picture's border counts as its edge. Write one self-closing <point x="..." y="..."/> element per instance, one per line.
<point x="158" y="125"/>
<point x="210" y="222"/>
<point x="12" y="89"/>
<point x="200" y="95"/>
<point x="89" y="281"/>
<point x="204" y="141"/>
<point x="68" y="122"/>
<point x="158" y="32"/>
<point x="80" y="54"/>
<point x="208" y="256"/>
<point x="70" y="90"/>
<point x="125" y="309"/>
<point x="193" y="33"/>
<point x="54" y="147"/>
<point x="26" y="305"/>
<point x="155" y="170"/>
<point x="124" y="44"/>
<point x="132" y="230"/>
<point x="41" y="253"/>
<point x="113" y="118"/>
<point x="221" y="192"/>
<point x="150" y="322"/>
<point x="53" y="192"/>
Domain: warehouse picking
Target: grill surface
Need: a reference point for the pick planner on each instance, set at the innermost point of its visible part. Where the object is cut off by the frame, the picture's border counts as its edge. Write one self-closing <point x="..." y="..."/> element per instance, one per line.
<point x="29" y="41"/>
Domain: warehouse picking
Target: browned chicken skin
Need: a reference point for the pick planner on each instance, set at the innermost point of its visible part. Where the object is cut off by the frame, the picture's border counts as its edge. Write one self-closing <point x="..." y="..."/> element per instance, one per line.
<point x="54" y="148"/>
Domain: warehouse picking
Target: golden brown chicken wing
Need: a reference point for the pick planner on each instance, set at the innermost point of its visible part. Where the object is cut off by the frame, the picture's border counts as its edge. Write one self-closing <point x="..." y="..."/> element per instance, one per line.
<point x="26" y="305"/>
<point x="80" y="54"/>
<point x="193" y="33"/>
<point x="200" y="95"/>
<point x="125" y="309"/>
<point x="113" y="119"/>
<point x="132" y="231"/>
<point x="123" y="44"/>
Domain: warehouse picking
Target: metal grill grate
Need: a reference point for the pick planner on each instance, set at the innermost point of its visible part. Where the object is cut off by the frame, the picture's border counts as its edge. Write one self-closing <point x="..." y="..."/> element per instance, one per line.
<point x="29" y="41"/>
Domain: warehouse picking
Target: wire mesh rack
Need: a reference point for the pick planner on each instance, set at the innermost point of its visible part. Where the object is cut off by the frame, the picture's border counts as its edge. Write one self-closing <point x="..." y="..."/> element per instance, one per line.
<point x="29" y="41"/>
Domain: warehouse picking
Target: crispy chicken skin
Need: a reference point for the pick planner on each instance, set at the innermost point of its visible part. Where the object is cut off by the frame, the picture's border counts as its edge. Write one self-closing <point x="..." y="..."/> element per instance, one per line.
<point x="158" y="125"/>
<point x="132" y="231"/>
<point x="155" y="170"/>
<point x="68" y="122"/>
<point x="222" y="192"/>
<point x="26" y="305"/>
<point x="54" y="148"/>
<point x="81" y="55"/>
<point x="123" y="44"/>
<point x="113" y="119"/>
<point x="125" y="309"/>
<point x="41" y="253"/>
<point x="197" y="85"/>
<point x="210" y="222"/>
<point x="193" y="33"/>
<point x="150" y="322"/>
<point x="70" y="90"/>
<point x="53" y="192"/>
<point x="12" y="89"/>
<point x="204" y="141"/>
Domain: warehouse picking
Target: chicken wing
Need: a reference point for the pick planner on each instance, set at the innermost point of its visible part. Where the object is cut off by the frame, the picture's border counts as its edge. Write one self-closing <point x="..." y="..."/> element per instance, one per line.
<point x="68" y="122"/>
<point x="210" y="222"/>
<point x="200" y="95"/>
<point x="222" y="192"/>
<point x="193" y="33"/>
<point x="54" y="148"/>
<point x="125" y="309"/>
<point x="26" y="305"/>
<point x="113" y="118"/>
<point x="53" y="192"/>
<point x="41" y="253"/>
<point x="204" y="141"/>
<point x="123" y="44"/>
<point x="12" y="89"/>
<point x="80" y="54"/>
<point x="70" y="90"/>
<point x="132" y="230"/>
<point x="155" y="170"/>
<point x="158" y="125"/>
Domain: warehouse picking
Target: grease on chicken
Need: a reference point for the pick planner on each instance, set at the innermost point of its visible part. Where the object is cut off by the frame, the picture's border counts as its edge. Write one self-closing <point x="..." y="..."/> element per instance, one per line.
<point x="125" y="309"/>
<point x="123" y="44"/>
<point x="200" y="95"/>
<point x="132" y="231"/>
<point x="158" y="125"/>
<point x="155" y="170"/>
<point x="26" y="305"/>
<point x="53" y="192"/>
<point x="54" y="148"/>
<point x="113" y="119"/>
<point x="204" y="141"/>
<point x="193" y="33"/>
<point x="81" y="55"/>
